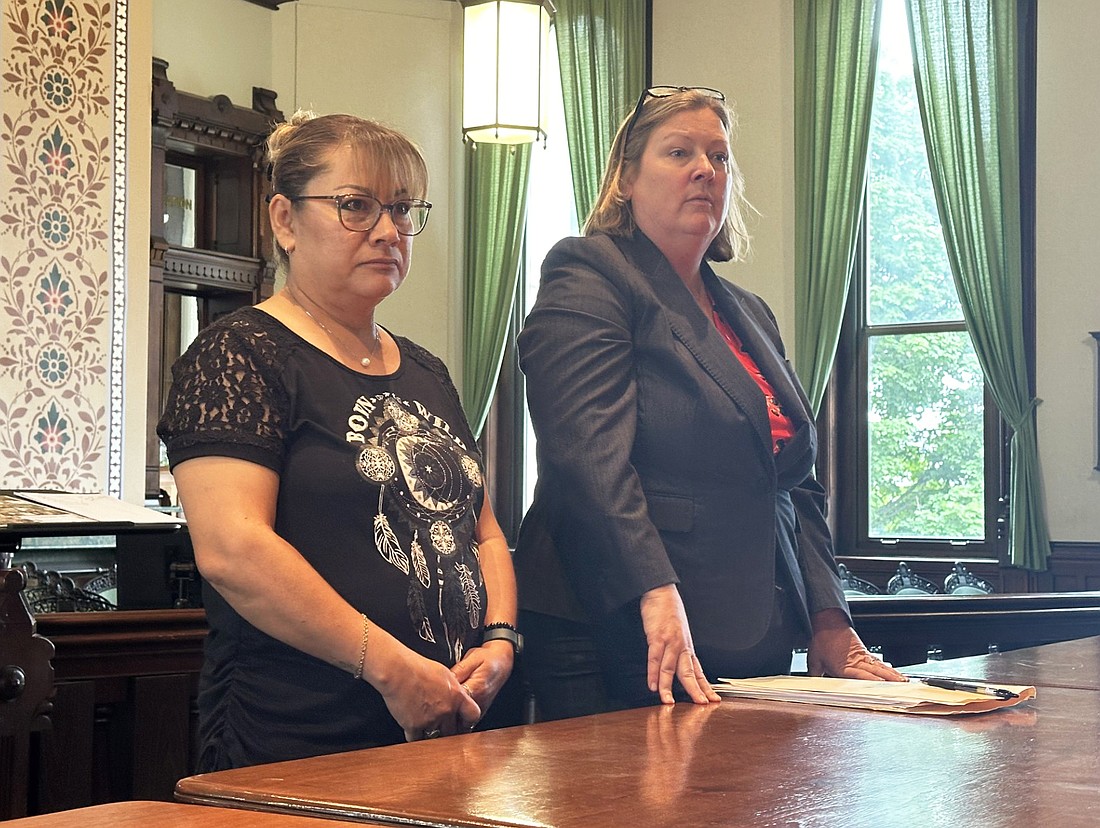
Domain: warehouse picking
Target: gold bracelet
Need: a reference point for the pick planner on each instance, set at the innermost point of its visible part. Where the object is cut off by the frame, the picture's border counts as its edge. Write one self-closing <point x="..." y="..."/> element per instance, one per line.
<point x="363" y="649"/>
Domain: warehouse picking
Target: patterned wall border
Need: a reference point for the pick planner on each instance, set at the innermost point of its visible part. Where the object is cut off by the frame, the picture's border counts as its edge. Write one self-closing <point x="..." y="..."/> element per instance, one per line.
<point x="118" y="256"/>
<point x="62" y="243"/>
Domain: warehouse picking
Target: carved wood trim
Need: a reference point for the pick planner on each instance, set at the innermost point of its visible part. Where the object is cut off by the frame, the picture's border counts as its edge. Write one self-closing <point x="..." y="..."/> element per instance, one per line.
<point x="187" y="121"/>
<point x="26" y="689"/>
<point x="95" y="645"/>
<point x="228" y="141"/>
<point x="187" y="268"/>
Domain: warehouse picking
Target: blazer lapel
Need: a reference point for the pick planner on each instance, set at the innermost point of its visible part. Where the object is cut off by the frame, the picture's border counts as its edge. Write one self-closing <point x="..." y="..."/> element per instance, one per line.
<point x="698" y="335"/>
<point x="763" y="350"/>
<point x="748" y="316"/>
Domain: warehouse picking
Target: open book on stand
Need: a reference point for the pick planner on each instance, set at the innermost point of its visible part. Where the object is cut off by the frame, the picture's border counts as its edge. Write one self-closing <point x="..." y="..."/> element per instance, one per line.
<point x="36" y="512"/>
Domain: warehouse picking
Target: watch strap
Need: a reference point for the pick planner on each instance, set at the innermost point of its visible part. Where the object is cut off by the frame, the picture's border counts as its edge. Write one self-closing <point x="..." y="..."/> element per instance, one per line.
<point x="502" y="631"/>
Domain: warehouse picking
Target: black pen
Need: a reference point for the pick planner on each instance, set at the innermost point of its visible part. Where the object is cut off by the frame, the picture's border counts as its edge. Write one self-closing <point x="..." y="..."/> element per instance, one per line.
<point x="982" y="689"/>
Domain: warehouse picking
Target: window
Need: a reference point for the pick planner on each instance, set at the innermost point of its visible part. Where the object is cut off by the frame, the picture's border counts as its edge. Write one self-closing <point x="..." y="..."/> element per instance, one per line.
<point x="921" y="457"/>
<point x="182" y="202"/>
<point x="551" y="216"/>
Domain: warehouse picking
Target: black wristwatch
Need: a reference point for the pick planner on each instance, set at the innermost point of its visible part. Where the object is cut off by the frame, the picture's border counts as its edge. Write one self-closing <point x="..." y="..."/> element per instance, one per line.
<point x="503" y="631"/>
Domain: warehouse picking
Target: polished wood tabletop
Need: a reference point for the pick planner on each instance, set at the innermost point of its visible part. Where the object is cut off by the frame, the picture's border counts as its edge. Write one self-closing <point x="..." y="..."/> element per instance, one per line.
<point x="739" y="763"/>
<point x="1071" y="664"/>
<point x="167" y="814"/>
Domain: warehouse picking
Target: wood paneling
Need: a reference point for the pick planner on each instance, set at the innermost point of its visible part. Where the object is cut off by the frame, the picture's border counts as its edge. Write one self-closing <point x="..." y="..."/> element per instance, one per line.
<point x="124" y="709"/>
<point x="907" y="627"/>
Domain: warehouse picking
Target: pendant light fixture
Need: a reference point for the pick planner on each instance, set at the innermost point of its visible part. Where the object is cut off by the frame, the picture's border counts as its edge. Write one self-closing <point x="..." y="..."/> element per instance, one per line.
<point x="504" y="49"/>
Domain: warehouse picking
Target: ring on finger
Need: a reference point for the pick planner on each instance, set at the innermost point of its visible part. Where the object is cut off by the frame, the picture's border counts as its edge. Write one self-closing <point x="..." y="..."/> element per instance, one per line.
<point x="434" y="733"/>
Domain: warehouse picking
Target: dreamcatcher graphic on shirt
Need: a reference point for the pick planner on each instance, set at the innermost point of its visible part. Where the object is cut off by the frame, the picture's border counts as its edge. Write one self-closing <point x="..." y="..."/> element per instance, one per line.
<point x="428" y="486"/>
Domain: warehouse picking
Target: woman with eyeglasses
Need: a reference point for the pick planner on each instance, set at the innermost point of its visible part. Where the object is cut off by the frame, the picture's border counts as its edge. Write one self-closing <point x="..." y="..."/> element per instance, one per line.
<point x="676" y="534"/>
<point x="358" y="589"/>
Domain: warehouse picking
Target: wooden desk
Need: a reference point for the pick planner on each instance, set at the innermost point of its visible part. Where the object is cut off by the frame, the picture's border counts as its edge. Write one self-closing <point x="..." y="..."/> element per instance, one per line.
<point x="143" y="814"/>
<point x="1069" y="664"/>
<point x="738" y="763"/>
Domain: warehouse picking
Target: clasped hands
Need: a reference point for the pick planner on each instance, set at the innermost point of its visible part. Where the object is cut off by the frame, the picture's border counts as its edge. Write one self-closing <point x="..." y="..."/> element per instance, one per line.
<point x="428" y="700"/>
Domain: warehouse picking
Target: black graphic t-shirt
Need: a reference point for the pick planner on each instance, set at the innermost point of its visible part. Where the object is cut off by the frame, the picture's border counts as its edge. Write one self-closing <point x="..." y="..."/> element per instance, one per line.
<point x="380" y="487"/>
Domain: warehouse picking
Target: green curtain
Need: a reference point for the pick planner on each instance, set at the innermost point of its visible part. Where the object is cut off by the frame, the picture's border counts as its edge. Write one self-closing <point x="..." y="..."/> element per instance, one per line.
<point x="834" y="64"/>
<point x="496" y="210"/>
<point x="965" y="56"/>
<point x="601" y="52"/>
<point x="601" y="46"/>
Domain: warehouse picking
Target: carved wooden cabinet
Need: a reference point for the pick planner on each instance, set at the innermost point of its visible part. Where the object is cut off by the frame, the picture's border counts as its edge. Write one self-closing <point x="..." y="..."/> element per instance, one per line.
<point x="26" y="690"/>
<point x="209" y="234"/>
<point x="124" y="722"/>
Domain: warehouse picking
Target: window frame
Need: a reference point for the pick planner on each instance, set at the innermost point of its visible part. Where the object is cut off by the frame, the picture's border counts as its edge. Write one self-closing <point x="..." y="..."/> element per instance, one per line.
<point x="842" y="461"/>
<point x="844" y="418"/>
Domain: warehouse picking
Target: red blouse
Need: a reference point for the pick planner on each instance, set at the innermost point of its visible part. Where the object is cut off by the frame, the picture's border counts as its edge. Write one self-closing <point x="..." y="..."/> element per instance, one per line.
<point x="782" y="427"/>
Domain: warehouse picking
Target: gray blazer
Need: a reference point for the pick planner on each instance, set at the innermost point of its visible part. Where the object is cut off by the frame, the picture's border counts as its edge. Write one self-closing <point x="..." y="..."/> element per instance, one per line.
<point x="655" y="452"/>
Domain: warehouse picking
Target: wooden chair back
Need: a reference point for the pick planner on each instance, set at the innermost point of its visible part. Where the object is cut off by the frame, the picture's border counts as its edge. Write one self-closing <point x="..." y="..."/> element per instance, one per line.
<point x="26" y="689"/>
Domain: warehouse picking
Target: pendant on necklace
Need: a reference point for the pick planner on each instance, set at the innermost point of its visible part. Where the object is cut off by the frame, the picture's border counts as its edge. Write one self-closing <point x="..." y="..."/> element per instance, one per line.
<point x="365" y="361"/>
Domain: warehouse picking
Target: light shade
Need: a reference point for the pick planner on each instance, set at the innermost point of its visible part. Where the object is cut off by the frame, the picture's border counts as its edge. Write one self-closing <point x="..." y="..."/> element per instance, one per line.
<point x="504" y="46"/>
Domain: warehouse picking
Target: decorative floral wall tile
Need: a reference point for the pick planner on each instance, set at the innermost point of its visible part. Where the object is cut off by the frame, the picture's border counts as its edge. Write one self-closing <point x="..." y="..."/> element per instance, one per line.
<point x="61" y="303"/>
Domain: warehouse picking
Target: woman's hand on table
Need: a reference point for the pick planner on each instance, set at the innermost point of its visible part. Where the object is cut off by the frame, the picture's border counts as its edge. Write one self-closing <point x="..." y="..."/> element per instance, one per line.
<point x="836" y="650"/>
<point x="671" y="652"/>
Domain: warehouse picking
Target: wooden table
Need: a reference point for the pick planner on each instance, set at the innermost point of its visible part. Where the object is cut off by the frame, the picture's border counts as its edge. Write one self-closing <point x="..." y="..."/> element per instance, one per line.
<point x="173" y="814"/>
<point x="1069" y="664"/>
<point x="738" y="763"/>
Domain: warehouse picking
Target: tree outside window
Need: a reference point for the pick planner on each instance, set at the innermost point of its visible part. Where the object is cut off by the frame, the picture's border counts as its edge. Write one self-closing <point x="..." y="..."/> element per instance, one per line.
<point x="922" y="442"/>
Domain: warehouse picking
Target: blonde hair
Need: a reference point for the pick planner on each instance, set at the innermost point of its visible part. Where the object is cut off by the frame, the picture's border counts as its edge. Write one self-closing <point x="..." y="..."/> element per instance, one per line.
<point x="612" y="213"/>
<point x="300" y="149"/>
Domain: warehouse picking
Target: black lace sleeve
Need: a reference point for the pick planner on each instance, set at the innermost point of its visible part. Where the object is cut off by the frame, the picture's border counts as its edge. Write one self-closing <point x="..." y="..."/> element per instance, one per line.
<point x="227" y="397"/>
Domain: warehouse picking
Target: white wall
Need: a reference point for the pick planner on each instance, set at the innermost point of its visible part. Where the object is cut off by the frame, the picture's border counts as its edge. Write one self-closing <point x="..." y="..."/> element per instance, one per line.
<point x="744" y="47"/>
<point x="1067" y="261"/>
<point x="215" y="47"/>
<point x="139" y="139"/>
<point x="395" y="61"/>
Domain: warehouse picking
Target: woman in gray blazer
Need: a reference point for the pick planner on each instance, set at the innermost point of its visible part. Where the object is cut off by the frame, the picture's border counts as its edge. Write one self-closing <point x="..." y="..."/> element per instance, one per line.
<point x="677" y="531"/>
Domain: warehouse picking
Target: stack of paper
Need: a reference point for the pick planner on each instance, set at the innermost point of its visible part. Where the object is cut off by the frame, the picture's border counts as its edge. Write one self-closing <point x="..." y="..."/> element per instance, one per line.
<point x="892" y="696"/>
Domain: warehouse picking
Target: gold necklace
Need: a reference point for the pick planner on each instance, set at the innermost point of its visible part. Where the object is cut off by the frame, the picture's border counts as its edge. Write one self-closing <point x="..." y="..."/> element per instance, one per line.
<point x="364" y="361"/>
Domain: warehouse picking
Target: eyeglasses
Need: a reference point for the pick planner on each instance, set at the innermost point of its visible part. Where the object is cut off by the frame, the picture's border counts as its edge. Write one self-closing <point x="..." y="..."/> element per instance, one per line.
<point x="360" y="213"/>
<point x="665" y="92"/>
